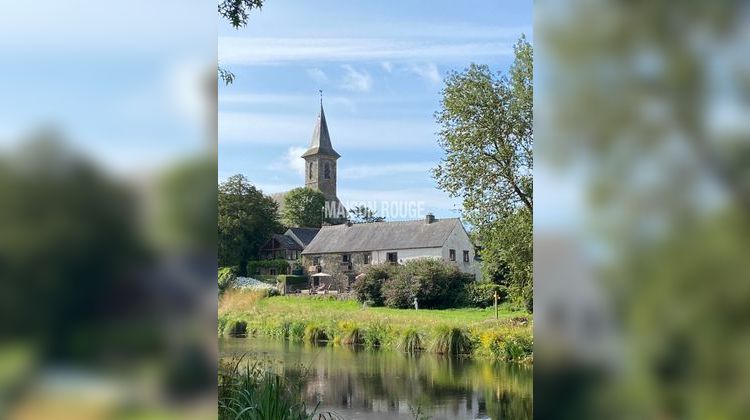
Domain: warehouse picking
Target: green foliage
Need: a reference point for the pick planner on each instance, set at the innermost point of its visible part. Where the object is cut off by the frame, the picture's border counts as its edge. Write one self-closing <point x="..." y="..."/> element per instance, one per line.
<point x="362" y="214"/>
<point x="351" y="334"/>
<point x="247" y="218"/>
<point x="482" y="294"/>
<point x="435" y="284"/>
<point x="227" y="276"/>
<point x="368" y="288"/>
<point x="279" y="265"/>
<point x="250" y="392"/>
<point x="236" y="328"/>
<point x="451" y="340"/>
<point x="410" y="341"/>
<point x="377" y="335"/>
<point x="238" y="11"/>
<point x="487" y="135"/>
<point x="303" y="207"/>
<point x="315" y="333"/>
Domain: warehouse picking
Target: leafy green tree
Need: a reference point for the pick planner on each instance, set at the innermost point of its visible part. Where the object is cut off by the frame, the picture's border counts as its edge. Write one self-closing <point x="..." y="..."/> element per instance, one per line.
<point x="362" y="214"/>
<point x="303" y="207"/>
<point x="487" y="136"/>
<point x="247" y="218"/>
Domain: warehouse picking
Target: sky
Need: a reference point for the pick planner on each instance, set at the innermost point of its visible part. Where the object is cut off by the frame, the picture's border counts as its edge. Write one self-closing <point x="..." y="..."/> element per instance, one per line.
<point x="380" y="66"/>
<point x="122" y="81"/>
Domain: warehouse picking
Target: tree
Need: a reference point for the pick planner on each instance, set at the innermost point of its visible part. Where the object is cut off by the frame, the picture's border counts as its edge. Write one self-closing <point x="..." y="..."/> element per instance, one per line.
<point x="303" y="207"/>
<point x="237" y="13"/>
<point x="247" y="218"/>
<point x="487" y="136"/>
<point x="362" y="214"/>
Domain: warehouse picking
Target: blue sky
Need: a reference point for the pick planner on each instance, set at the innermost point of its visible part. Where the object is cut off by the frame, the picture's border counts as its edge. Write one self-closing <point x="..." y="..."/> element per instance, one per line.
<point x="121" y="79"/>
<point x="380" y="65"/>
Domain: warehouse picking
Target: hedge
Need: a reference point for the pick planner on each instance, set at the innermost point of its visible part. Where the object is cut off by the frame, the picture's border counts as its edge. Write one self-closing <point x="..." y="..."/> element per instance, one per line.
<point x="280" y="265"/>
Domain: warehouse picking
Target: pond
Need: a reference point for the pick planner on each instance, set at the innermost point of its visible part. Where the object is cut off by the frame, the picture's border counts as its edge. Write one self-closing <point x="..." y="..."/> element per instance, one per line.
<point x="372" y="384"/>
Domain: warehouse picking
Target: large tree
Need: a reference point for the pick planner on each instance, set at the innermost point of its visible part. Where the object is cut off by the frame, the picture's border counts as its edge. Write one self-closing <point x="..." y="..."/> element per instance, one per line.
<point x="487" y="135"/>
<point x="303" y="207"/>
<point x="247" y="218"/>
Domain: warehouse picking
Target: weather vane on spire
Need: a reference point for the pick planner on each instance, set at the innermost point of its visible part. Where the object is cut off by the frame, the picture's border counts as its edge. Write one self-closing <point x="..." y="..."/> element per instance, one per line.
<point x="321" y="96"/>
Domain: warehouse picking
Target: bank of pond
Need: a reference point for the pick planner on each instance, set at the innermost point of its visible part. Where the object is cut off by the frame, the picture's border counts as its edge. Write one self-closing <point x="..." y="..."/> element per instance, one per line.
<point x="465" y="333"/>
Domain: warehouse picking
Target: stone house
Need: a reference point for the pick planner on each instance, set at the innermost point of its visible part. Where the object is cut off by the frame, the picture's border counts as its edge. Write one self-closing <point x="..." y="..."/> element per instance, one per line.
<point x="288" y="246"/>
<point x="344" y="251"/>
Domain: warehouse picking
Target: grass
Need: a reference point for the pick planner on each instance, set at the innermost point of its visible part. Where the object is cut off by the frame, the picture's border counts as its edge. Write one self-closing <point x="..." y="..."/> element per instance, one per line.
<point x="249" y="392"/>
<point x="467" y="331"/>
<point x="451" y="340"/>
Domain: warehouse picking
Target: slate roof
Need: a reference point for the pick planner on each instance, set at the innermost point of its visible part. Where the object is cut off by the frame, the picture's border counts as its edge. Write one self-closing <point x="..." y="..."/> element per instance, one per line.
<point x="285" y="241"/>
<point x="321" y="140"/>
<point x="303" y="236"/>
<point x="381" y="236"/>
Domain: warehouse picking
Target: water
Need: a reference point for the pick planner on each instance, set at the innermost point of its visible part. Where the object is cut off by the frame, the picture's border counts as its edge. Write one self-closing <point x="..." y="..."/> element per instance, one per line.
<point x="371" y="384"/>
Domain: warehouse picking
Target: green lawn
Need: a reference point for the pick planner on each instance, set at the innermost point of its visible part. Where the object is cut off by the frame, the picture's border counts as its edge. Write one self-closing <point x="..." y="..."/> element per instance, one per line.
<point x="350" y="310"/>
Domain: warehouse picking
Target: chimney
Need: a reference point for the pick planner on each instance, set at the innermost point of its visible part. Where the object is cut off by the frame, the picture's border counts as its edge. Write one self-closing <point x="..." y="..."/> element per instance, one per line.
<point x="429" y="218"/>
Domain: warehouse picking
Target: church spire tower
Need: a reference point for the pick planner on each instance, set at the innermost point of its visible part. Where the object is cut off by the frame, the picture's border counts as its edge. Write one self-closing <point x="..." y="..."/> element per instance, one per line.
<point x="320" y="159"/>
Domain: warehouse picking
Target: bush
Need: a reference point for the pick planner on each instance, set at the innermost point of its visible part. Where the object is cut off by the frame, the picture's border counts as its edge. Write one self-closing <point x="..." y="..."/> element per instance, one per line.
<point x="227" y="277"/>
<point x="280" y="265"/>
<point x="433" y="282"/>
<point x="368" y="288"/>
<point x="482" y="294"/>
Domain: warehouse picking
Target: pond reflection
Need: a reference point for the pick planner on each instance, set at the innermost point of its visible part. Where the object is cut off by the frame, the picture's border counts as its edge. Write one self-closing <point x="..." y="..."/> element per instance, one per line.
<point x="366" y="384"/>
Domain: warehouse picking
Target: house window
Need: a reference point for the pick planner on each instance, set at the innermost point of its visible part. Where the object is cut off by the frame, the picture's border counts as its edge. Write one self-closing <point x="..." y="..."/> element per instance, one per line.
<point x="452" y="254"/>
<point x="367" y="257"/>
<point x="272" y="271"/>
<point x="392" y="257"/>
<point x="466" y="256"/>
<point x="316" y="260"/>
<point x="346" y="258"/>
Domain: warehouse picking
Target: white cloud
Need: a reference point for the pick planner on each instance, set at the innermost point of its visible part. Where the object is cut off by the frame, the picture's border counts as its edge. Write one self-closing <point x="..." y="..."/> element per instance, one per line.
<point x="371" y="171"/>
<point x="387" y="66"/>
<point x="317" y="75"/>
<point x="293" y="160"/>
<point x="258" y="51"/>
<point x="358" y="81"/>
<point x="428" y="72"/>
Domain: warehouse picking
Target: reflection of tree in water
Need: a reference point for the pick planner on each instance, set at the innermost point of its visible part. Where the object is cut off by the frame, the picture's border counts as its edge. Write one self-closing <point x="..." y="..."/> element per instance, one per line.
<point x="391" y="382"/>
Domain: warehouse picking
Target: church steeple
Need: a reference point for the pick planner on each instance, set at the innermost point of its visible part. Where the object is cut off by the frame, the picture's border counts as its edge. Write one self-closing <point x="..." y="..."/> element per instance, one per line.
<point x="321" y="140"/>
<point x="320" y="160"/>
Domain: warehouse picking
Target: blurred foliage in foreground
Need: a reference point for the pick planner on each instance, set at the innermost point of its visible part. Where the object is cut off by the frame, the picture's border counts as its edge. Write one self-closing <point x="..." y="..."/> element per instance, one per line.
<point x="642" y="108"/>
<point x="101" y="315"/>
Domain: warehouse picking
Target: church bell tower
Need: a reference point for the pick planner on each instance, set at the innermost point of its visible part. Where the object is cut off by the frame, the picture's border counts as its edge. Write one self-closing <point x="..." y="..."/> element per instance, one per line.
<point x="320" y="160"/>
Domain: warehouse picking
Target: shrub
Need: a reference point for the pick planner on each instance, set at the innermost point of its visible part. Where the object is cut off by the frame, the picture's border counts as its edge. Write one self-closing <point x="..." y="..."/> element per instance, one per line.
<point x="280" y="265"/>
<point x="507" y="344"/>
<point x="435" y="284"/>
<point x="451" y="340"/>
<point x="411" y="341"/>
<point x="315" y="333"/>
<point x="368" y="288"/>
<point x="227" y="277"/>
<point x="236" y="328"/>
<point x="482" y="294"/>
